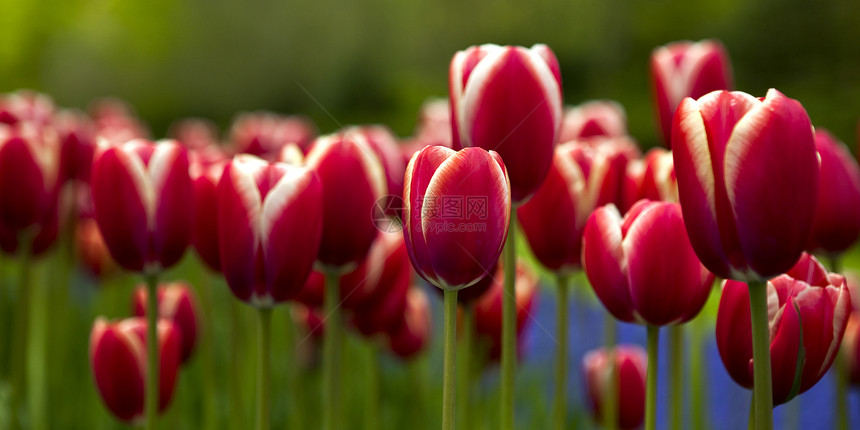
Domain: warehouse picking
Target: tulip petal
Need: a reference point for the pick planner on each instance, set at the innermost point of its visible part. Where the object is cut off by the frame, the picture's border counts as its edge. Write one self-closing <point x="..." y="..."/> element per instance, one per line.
<point x="733" y="335"/>
<point x="239" y="207"/>
<point x="603" y="259"/>
<point x="168" y="172"/>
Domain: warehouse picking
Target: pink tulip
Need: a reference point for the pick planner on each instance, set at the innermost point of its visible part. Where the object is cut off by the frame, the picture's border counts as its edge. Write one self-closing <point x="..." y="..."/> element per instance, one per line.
<point x="177" y="303"/>
<point x="353" y="181"/>
<point x="434" y="124"/>
<point x="269" y="227"/>
<point x="806" y="301"/>
<point x="747" y="175"/>
<point x="456" y="214"/>
<point x="837" y="217"/>
<point x="604" y="118"/>
<point x="118" y="362"/>
<point x="411" y="334"/>
<point x="686" y="69"/>
<point x="26" y="106"/>
<point x="642" y="266"/>
<point x="508" y="99"/>
<point x="142" y="198"/>
<point x="632" y="363"/>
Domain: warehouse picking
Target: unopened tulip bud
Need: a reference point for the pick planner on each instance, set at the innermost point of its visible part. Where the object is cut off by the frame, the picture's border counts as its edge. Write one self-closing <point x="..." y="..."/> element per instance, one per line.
<point x="177" y="303"/>
<point x="632" y="363"/>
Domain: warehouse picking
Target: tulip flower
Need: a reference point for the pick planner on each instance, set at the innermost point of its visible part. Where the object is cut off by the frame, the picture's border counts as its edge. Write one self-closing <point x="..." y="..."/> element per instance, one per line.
<point x="116" y="122"/>
<point x="604" y="118"/>
<point x="26" y="106"/>
<point x="686" y="69"/>
<point x="194" y="133"/>
<point x="837" y="216"/>
<point x="77" y="135"/>
<point x="205" y="172"/>
<point x="808" y="311"/>
<point x="384" y="144"/>
<point x="263" y="133"/>
<point x="434" y="126"/>
<point x="117" y="357"/>
<point x="488" y="309"/>
<point x="29" y="173"/>
<point x="652" y="178"/>
<point x="91" y="249"/>
<point x="412" y="332"/>
<point x="177" y="302"/>
<point x="630" y="362"/>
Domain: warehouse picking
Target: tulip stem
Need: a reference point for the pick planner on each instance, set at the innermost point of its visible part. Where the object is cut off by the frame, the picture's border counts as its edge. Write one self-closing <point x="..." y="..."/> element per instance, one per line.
<point x="152" y="371"/>
<point x="651" y="380"/>
<point x="698" y="374"/>
<point x="18" y="364"/>
<point x="509" y="329"/>
<point x="763" y="390"/>
<point x="264" y="368"/>
<point x="842" y="415"/>
<point x="466" y="372"/>
<point x="448" y="381"/>
<point x="332" y="343"/>
<point x="610" y="396"/>
<point x="373" y="381"/>
<point x="676" y="372"/>
<point x="560" y="401"/>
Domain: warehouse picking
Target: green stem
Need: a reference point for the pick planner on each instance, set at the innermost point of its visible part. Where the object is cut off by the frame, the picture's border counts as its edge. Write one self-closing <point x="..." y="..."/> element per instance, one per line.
<point x="843" y="418"/>
<point x="761" y="356"/>
<point x="651" y="379"/>
<point x="698" y="374"/>
<point x="36" y="346"/>
<point x="509" y="329"/>
<point x="676" y="372"/>
<point x="560" y="402"/>
<point x="20" y="334"/>
<point x="296" y="387"/>
<point x="332" y="343"/>
<point x="416" y="383"/>
<point x="610" y="396"/>
<point x="208" y="348"/>
<point x="448" y="381"/>
<point x="466" y="369"/>
<point x="372" y="408"/>
<point x="238" y="418"/>
<point x="264" y="368"/>
<point x="152" y="371"/>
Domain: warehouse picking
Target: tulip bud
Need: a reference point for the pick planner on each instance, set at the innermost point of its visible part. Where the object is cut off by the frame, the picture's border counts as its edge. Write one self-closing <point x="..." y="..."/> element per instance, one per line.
<point x="142" y="197"/>
<point x="456" y="215"/>
<point x="747" y="174"/>
<point x="178" y="304"/>
<point x="264" y="134"/>
<point x="488" y="309"/>
<point x="269" y="226"/>
<point x="642" y="267"/>
<point x="77" y="135"/>
<point x="412" y="332"/>
<point x="837" y="216"/>
<point x="686" y="69"/>
<point x="205" y="172"/>
<point x="353" y="180"/>
<point x="29" y="171"/>
<point x="508" y="99"/>
<point x="808" y="308"/>
<point x="604" y="118"/>
<point x="632" y="363"/>
<point x="118" y="360"/>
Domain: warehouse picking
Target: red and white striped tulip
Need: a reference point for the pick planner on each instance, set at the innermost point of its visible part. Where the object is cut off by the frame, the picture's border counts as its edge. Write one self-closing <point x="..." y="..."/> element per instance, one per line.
<point x="747" y="172"/>
<point x="29" y="174"/>
<point x="837" y="216"/>
<point x="269" y="228"/>
<point x="205" y="170"/>
<point x="652" y="178"/>
<point x="264" y="134"/>
<point x="632" y="364"/>
<point x="177" y="303"/>
<point x="508" y="99"/>
<point x="77" y="135"/>
<point x="384" y="144"/>
<point x="594" y="118"/>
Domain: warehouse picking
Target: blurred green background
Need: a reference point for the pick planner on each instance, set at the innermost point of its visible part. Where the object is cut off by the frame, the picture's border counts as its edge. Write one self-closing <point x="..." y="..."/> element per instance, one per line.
<point x="344" y="62"/>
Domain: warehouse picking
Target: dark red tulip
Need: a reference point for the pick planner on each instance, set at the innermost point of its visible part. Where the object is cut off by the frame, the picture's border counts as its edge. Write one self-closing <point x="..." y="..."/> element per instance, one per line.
<point x="77" y="135"/>
<point x="456" y="215"/>
<point x="118" y="363"/>
<point x="686" y="69"/>
<point x="488" y="309"/>
<point x="205" y="170"/>
<point x="508" y="99"/>
<point x="604" y="118"/>
<point x="807" y="301"/>
<point x="269" y="227"/>
<point x="142" y="196"/>
<point x="837" y="217"/>
<point x="353" y="180"/>
<point x="264" y="134"/>
<point x="747" y="175"/>
<point x="29" y="171"/>
<point x="632" y="364"/>
<point x="177" y="302"/>
<point x="412" y="332"/>
<point x="642" y="267"/>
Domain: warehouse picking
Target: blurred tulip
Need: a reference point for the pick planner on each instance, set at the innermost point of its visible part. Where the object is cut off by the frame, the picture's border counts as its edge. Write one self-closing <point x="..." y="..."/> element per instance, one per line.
<point x="353" y="181"/>
<point x="411" y="334"/>
<point x="642" y="266"/>
<point x="581" y="178"/>
<point x="384" y="269"/>
<point x="651" y="177"/>
<point x="142" y="196"/>
<point x="29" y="170"/>
<point x="194" y="133"/>
<point x="434" y="124"/>
<point x="807" y="305"/>
<point x="851" y="347"/>
<point x="269" y="226"/>
<point x="508" y="99"/>
<point x="177" y="303"/>
<point x="488" y="309"/>
<point x="632" y="363"/>
<point x="291" y="154"/>
<point x="77" y="135"/>
<point x="604" y="118"/>
<point x="205" y="171"/>
<point x="264" y="133"/>
<point x="747" y="171"/>
<point x="456" y="215"/>
<point x="118" y="363"/>
<point x="26" y="106"/>
<point x="686" y="69"/>
<point x="116" y="122"/>
<point x="311" y="324"/>
<point x="384" y="144"/>
<point x="91" y="249"/>
<point x="837" y="217"/>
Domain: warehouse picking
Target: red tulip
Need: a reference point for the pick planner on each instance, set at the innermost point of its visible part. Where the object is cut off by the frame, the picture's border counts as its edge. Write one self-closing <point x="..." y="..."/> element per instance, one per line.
<point x="508" y="99"/>
<point x="353" y="180"/>
<point x="604" y="118"/>
<point x="29" y="171"/>
<point x="26" y="106"/>
<point x="263" y="133"/>
<point x="456" y="214"/>
<point x="652" y="178"/>
<point x="385" y="146"/>
<point x="488" y="308"/>
<point x="434" y="124"/>
<point x="77" y="136"/>
<point x="205" y="170"/>
<point x="837" y="217"/>
<point x="269" y="227"/>
<point x="177" y="302"/>
<point x="412" y="332"/>
<point x="642" y="266"/>
<point x="747" y="173"/>
<point x="686" y="69"/>
<point x="805" y="303"/>
<point x="632" y="363"/>
<point x="118" y="360"/>
<point x="142" y="197"/>
<point x="195" y="133"/>
<point x="117" y="122"/>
